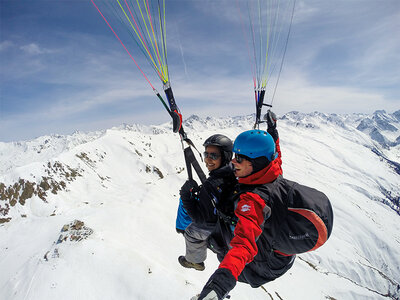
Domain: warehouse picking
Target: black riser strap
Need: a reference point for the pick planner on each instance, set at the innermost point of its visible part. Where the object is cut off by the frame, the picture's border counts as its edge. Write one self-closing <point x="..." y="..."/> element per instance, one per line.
<point x="190" y="160"/>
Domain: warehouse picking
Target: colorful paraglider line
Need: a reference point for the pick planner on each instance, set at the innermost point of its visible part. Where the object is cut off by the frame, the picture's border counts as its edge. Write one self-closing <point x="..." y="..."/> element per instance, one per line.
<point x="266" y="32"/>
<point x="126" y="18"/>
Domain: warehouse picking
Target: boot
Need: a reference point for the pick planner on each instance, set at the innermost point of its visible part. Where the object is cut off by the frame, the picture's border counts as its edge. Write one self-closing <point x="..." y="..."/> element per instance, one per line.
<point x="187" y="264"/>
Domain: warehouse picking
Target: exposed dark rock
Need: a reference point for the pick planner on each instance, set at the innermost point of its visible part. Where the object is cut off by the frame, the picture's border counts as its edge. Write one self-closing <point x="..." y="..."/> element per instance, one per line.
<point x="23" y="189"/>
<point x="154" y="169"/>
<point x="4" y="220"/>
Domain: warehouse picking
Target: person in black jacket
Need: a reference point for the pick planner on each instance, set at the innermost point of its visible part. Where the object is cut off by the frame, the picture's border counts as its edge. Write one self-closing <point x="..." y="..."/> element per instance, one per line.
<point x="200" y="202"/>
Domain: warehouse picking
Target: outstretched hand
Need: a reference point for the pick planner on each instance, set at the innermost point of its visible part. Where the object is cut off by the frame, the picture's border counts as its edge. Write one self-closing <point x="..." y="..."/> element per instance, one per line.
<point x="210" y="296"/>
<point x="271" y="118"/>
<point x="218" y="286"/>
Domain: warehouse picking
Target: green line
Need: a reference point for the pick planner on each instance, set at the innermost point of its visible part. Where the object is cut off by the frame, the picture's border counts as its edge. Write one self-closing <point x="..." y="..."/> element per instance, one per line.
<point x="147" y="29"/>
<point x="164" y="39"/>
<point x="154" y="37"/>
<point x="137" y="34"/>
<point x="160" y="38"/>
<point x="162" y="101"/>
<point x="260" y="32"/>
<point x="131" y="34"/>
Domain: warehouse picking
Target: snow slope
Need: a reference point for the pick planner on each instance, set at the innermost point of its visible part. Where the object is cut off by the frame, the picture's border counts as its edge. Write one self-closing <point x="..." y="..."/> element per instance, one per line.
<point x="123" y="184"/>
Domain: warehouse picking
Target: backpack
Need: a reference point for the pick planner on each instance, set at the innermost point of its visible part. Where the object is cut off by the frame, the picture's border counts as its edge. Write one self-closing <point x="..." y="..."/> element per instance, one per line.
<point x="308" y="222"/>
<point x="303" y="215"/>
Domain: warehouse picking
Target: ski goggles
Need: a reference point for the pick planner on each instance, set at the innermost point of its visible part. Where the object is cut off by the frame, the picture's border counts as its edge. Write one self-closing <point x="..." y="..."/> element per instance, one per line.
<point x="240" y="157"/>
<point x="211" y="155"/>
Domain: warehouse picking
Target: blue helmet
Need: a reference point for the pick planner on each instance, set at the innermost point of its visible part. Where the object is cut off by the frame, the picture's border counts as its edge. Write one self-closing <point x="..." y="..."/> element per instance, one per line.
<point x="254" y="144"/>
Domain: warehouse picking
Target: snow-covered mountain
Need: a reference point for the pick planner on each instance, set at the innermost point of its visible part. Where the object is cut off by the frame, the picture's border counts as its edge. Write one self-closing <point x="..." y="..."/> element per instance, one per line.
<point x="92" y="215"/>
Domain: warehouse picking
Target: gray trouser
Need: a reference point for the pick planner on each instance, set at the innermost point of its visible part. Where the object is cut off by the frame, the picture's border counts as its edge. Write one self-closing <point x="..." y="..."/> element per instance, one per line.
<point x="196" y="243"/>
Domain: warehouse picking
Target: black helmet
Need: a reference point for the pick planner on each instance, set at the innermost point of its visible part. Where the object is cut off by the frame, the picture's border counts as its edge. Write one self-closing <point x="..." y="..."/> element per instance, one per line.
<point x="224" y="143"/>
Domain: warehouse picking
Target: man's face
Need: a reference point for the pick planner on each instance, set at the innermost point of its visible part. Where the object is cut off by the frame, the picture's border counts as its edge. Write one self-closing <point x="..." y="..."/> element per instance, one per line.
<point x="242" y="168"/>
<point x="210" y="153"/>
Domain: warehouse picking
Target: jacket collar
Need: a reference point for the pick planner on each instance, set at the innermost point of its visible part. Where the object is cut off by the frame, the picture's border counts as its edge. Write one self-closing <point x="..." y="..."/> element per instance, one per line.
<point x="222" y="171"/>
<point x="266" y="175"/>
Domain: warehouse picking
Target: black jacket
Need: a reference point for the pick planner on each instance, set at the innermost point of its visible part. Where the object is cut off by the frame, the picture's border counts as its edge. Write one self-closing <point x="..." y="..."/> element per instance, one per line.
<point x="266" y="264"/>
<point x="215" y="190"/>
<point x="271" y="229"/>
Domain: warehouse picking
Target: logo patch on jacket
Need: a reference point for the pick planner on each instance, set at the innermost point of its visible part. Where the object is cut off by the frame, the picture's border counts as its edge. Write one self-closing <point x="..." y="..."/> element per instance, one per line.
<point x="245" y="208"/>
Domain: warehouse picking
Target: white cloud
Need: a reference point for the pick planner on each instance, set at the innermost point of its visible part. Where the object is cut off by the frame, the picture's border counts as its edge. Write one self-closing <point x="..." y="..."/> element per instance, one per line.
<point x="379" y="61"/>
<point x="34" y="49"/>
<point x="296" y="93"/>
<point x="5" y="45"/>
<point x="303" y="12"/>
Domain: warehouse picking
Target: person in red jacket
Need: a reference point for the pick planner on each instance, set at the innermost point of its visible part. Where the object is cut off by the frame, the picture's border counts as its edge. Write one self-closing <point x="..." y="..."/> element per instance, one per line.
<point x="259" y="210"/>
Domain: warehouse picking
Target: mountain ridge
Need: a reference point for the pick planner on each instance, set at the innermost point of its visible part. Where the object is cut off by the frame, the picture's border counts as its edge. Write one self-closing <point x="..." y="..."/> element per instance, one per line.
<point x="45" y="148"/>
<point x="123" y="183"/>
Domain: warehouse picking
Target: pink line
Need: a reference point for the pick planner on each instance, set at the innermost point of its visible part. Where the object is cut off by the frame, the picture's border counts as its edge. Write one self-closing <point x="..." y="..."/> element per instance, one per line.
<point x="151" y="23"/>
<point x="123" y="45"/>
<point x="137" y="27"/>
<point x="144" y="41"/>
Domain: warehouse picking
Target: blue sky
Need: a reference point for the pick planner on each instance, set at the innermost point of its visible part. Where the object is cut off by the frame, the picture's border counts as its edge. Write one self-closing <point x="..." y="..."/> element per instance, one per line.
<point x="62" y="69"/>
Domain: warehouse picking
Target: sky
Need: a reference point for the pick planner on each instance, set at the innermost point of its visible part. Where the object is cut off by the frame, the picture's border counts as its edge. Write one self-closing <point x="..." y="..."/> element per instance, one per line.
<point x="62" y="69"/>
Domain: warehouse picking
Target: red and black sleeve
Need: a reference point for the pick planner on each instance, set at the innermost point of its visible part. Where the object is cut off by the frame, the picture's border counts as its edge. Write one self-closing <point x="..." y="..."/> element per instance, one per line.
<point x="252" y="213"/>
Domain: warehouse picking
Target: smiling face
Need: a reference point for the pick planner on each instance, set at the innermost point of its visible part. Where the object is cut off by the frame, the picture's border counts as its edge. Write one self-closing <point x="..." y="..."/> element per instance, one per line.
<point x="212" y="164"/>
<point x="243" y="168"/>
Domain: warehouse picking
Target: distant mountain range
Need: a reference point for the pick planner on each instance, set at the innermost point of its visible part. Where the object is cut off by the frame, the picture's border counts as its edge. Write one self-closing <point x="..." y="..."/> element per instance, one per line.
<point x="103" y="205"/>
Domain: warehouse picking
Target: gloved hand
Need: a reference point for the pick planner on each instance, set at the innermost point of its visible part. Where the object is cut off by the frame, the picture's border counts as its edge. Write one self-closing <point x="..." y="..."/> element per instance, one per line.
<point x="218" y="286"/>
<point x="187" y="189"/>
<point x="271" y="118"/>
<point x="271" y="122"/>
<point x="211" y="296"/>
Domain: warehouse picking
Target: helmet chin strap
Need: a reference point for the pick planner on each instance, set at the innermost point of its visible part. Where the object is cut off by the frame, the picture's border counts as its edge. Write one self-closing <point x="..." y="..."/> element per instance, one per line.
<point x="274" y="156"/>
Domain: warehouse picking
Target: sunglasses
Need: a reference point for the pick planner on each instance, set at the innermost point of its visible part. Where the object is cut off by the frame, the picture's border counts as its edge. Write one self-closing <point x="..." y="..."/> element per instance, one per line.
<point x="212" y="155"/>
<point x="239" y="158"/>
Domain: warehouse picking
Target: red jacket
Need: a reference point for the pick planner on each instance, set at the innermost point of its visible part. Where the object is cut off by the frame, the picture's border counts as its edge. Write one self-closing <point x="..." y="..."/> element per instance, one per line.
<point x="252" y="212"/>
